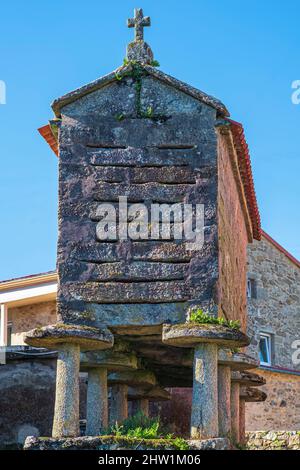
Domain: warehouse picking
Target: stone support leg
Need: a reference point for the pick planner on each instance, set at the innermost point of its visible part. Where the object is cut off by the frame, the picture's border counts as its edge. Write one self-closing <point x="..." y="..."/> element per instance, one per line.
<point x="235" y="411"/>
<point x="66" y="412"/>
<point x="224" y="385"/>
<point x="118" y="404"/>
<point x="143" y="406"/>
<point x="242" y="438"/>
<point x="97" y="402"/>
<point x="204" y="418"/>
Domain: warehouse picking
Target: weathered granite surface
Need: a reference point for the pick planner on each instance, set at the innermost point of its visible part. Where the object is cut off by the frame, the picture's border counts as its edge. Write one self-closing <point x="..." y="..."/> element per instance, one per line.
<point x="191" y="334"/>
<point x="114" y="443"/>
<point x="52" y="336"/>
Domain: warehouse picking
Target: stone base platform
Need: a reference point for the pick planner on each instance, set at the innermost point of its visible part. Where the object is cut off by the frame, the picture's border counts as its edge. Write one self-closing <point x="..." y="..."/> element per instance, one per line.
<point x="122" y="443"/>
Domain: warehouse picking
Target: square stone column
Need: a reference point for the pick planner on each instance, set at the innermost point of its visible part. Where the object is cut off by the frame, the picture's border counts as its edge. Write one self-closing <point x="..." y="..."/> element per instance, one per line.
<point x="242" y="436"/>
<point x="118" y="404"/>
<point x="143" y="406"/>
<point x="224" y="410"/>
<point x="206" y="339"/>
<point x="66" y="413"/>
<point x="204" y="419"/>
<point x="235" y="412"/>
<point x="68" y="340"/>
<point x="97" y="401"/>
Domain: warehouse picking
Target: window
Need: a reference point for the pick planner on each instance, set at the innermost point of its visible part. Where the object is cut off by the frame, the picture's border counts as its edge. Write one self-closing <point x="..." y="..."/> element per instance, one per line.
<point x="251" y="289"/>
<point x="265" y="352"/>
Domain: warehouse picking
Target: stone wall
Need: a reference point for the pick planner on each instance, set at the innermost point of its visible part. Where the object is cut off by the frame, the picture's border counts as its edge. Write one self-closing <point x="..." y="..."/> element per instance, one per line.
<point x="270" y="440"/>
<point x="28" y="317"/>
<point x="27" y="395"/>
<point x="233" y="239"/>
<point x="281" y="410"/>
<point x="276" y="308"/>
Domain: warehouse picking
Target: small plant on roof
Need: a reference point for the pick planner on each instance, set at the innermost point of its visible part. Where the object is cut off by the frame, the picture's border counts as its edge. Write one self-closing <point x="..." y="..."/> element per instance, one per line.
<point x="155" y="63"/>
<point x="199" y="316"/>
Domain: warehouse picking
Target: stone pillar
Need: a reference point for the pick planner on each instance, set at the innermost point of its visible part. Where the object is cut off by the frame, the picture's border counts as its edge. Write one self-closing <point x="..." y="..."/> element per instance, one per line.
<point x="143" y="406"/>
<point x="97" y="401"/>
<point x="224" y="410"/>
<point x="235" y="411"/>
<point x="242" y="438"/>
<point x="66" y="412"/>
<point x="118" y="404"/>
<point x="204" y="419"/>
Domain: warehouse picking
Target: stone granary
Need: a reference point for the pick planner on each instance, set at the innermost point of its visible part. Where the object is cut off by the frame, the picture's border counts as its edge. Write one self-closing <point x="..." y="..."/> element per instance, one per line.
<point x="125" y="303"/>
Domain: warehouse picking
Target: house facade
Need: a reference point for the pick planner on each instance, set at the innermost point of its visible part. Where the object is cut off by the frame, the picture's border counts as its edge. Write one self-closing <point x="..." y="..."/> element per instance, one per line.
<point x="274" y="329"/>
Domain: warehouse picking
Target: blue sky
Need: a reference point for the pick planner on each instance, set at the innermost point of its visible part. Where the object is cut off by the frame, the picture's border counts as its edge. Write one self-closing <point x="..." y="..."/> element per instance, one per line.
<point x="244" y="53"/>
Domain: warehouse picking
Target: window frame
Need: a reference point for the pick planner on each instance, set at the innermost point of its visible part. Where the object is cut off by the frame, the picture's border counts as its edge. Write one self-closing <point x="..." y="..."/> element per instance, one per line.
<point x="251" y="288"/>
<point x="269" y="348"/>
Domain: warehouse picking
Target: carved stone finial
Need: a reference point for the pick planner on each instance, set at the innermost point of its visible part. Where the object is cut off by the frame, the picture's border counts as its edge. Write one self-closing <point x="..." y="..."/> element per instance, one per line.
<point x="139" y="50"/>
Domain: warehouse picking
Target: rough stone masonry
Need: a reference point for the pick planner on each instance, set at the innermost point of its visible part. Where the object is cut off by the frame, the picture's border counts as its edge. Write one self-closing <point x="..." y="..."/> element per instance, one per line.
<point x="141" y="134"/>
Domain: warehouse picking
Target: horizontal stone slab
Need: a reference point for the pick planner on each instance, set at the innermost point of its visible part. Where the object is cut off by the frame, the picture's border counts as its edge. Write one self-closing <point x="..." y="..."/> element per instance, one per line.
<point x="135" y="271"/>
<point x="237" y="361"/>
<point x="52" y="336"/>
<point x="143" y="157"/>
<point x="161" y="193"/>
<point x="156" y="393"/>
<point x="117" y="292"/>
<point x="105" y="443"/>
<point x="188" y="335"/>
<point x="142" y="378"/>
<point x="252" y="394"/>
<point x="164" y="251"/>
<point x="164" y="174"/>
<point x="111" y="360"/>
<point x="137" y="319"/>
<point x="248" y="379"/>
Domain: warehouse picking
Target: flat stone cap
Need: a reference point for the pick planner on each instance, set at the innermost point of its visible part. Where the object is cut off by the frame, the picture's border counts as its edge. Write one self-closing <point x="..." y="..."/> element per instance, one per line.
<point x="253" y="395"/>
<point x="110" y="359"/>
<point x="248" y="378"/>
<point x="86" y="337"/>
<point x="134" y="378"/>
<point x="156" y="393"/>
<point x="188" y="335"/>
<point x="237" y="361"/>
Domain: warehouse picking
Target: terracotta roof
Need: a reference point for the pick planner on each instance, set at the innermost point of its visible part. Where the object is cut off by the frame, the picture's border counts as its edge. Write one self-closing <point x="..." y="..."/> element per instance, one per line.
<point x="244" y="161"/>
<point x="281" y="249"/>
<point x="47" y="133"/>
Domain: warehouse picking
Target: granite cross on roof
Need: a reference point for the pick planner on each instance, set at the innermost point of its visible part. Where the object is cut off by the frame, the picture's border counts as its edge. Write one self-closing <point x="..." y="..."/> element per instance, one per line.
<point x="138" y="22"/>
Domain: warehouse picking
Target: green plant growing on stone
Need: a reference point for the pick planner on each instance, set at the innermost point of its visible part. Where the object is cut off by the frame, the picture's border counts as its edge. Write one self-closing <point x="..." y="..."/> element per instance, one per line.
<point x="149" y="113"/>
<point x="120" y="117"/>
<point x="155" y="63"/>
<point x="140" y="426"/>
<point x="198" y="316"/>
<point x="118" y="76"/>
<point x="180" y="443"/>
